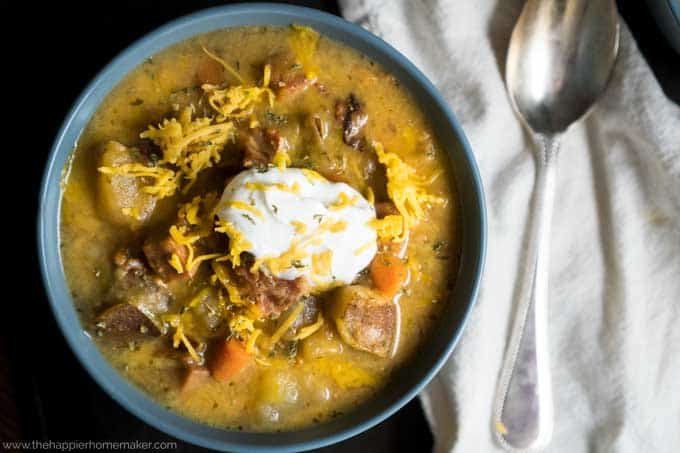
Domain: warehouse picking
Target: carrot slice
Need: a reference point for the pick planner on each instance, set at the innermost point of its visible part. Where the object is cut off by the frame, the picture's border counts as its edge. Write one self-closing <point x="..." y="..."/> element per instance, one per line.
<point x="229" y="360"/>
<point x="388" y="273"/>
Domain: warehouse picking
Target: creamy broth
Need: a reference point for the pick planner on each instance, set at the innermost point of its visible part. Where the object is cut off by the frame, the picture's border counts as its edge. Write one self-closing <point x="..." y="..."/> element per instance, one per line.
<point x="293" y="383"/>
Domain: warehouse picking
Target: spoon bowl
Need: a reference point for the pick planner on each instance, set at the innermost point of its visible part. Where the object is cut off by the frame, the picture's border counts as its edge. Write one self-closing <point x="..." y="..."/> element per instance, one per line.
<point x="560" y="58"/>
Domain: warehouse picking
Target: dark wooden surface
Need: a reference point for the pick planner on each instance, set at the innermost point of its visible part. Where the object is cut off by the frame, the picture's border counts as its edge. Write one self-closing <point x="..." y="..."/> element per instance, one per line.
<point x="49" y="57"/>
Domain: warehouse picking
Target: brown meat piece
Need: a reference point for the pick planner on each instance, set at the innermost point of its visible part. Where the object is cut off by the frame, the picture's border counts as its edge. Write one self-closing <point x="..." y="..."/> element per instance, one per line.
<point x="134" y="286"/>
<point x="212" y="243"/>
<point x="272" y="295"/>
<point x="385" y="208"/>
<point x="337" y="177"/>
<point x="259" y="147"/>
<point x="209" y="71"/>
<point x="353" y="118"/>
<point x="124" y="319"/>
<point x="126" y="263"/>
<point x="288" y="78"/>
<point x="151" y="152"/>
<point x="159" y="250"/>
<point x="364" y="319"/>
<point x="340" y="111"/>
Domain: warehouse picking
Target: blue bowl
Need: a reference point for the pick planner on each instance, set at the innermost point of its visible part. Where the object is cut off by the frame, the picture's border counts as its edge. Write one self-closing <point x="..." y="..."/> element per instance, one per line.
<point x="667" y="15"/>
<point x="409" y="380"/>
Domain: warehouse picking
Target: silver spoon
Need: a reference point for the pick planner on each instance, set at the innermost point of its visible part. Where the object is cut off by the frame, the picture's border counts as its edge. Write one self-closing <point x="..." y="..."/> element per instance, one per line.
<point x="560" y="58"/>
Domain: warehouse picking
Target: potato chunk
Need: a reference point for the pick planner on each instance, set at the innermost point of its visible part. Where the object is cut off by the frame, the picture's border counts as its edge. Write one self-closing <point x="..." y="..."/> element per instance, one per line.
<point x="323" y="343"/>
<point x="124" y="319"/>
<point x="121" y="197"/>
<point x="365" y="319"/>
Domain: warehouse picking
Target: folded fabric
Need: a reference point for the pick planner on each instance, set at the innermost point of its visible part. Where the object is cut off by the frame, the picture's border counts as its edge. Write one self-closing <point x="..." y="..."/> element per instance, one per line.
<point x="614" y="304"/>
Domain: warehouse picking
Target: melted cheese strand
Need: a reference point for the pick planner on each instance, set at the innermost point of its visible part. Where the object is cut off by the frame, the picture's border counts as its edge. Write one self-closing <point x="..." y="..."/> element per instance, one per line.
<point x="285" y="325"/>
<point x="309" y="330"/>
<point x="225" y="65"/>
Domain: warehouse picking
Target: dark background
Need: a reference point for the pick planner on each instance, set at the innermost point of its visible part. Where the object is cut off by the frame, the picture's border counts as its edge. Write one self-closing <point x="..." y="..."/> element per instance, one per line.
<point x="49" y="54"/>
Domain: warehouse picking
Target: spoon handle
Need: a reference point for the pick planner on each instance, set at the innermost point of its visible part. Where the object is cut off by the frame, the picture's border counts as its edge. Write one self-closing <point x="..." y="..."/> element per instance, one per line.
<point x="523" y="411"/>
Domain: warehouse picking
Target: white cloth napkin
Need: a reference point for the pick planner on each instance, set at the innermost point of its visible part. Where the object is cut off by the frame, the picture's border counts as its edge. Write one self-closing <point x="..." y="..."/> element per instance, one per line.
<point x="614" y="312"/>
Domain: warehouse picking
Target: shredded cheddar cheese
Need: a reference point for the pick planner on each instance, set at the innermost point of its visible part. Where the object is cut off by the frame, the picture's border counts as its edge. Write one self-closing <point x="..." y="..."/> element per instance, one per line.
<point x="405" y="189"/>
<point x="232" y="291"/>
<point x="333" y="227"/>
<point x="257" y="186"/>
<point x="190" y="145"/>
<point x="237" y="243"/>
<point x="287" y="259"/>
<point x="389" y="228"/>
<point x="344" y="201"/>
<point x="239" y="101"/>
<point x="165" y="180"/>
<point x="189" y="211"/>
<point x="262" y="187"/>
<point x="199" y="298"/>
<point x="361" y="250"/>
<point x="224" y="64"/>
<point x="241" y="326"/>
<point x="178" y="234"/>
<point x="308" y="331"/>
<point x="300" y="227"/>
<point x="176" y="263"/>
<point x="179" y="337"/>
<point x="312" y="175"/>
<point x="287" y="323"/>
<point x="281" y="159"/>
<point x="182" y="137"/>
<point x="297" y="252"/>
<point x="192" y="262"/>
<point x="245" y="207"/>
<point x="321" y="262"/>
<point x="252" y="339"/>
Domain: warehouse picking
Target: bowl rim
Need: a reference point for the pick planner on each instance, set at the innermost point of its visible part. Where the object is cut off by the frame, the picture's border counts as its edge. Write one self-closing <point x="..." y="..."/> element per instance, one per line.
<point x="51" y="266"/>
<point x="674" y="6"/>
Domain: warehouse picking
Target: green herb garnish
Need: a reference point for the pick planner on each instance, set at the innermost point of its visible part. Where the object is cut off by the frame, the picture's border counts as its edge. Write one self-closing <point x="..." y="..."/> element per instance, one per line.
<point x="292" y="350"/>
<point x="250" y="219"/>
<point x="273" y="119"/>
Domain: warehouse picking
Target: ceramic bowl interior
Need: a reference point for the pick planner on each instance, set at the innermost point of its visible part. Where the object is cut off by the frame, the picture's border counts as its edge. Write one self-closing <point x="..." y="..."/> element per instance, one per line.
<point x="410" y="379"/>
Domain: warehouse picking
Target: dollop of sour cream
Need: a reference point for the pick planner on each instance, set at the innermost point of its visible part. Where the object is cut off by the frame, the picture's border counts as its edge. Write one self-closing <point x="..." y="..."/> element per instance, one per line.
<point x="296" y="224"/>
